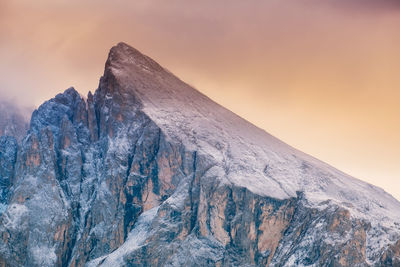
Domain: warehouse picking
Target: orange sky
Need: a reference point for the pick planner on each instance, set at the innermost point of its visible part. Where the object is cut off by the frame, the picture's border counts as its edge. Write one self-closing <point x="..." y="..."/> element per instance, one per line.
<point x="322" y="76"/>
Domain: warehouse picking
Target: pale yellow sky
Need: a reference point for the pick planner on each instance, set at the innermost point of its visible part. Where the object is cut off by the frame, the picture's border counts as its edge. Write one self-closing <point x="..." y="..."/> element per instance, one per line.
<point x="322" y="76"/>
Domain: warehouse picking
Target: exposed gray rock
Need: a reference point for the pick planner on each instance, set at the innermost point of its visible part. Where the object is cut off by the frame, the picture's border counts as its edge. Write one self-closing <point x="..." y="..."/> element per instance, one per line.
<point x="150" y="172"/>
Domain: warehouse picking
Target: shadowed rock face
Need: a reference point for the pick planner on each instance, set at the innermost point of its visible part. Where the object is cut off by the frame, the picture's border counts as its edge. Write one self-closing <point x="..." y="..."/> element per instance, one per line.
<point x="117" y="179"/>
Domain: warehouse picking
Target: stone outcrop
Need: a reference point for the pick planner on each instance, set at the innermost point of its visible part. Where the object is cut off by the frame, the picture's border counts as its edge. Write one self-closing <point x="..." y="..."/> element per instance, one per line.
<point x="117" y="179"/>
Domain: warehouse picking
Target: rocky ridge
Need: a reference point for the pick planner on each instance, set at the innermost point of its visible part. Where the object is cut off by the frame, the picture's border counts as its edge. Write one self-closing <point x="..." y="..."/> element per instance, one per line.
<point x="150" y="172"/>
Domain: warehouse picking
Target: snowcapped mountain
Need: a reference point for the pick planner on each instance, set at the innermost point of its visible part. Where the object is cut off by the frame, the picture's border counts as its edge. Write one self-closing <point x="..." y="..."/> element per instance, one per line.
<point x="150" y="172"/>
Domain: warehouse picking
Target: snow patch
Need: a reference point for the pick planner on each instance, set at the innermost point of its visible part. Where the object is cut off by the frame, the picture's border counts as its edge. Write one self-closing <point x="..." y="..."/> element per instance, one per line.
<point x="14" y="216"/>
<point x="135" y="240"/>
<point x="44" y="256"/>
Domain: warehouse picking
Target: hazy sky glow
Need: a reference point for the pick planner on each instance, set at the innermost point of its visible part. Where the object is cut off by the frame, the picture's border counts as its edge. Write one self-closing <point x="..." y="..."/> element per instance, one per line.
<point x="322" y="76"/>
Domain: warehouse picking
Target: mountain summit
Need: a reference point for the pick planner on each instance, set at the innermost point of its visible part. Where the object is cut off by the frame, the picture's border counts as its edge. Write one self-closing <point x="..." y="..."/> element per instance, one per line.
<point x="150" y="172"/>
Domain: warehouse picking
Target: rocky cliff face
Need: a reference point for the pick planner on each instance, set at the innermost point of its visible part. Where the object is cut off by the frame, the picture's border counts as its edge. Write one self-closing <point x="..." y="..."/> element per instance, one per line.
<point x="150" y="172"/>
<point x="13" y="128"/>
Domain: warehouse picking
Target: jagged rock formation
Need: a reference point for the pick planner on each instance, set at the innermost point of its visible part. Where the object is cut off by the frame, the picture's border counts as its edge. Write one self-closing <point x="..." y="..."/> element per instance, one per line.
<point x="13" y="128"/>
<point x="150" y="172"/>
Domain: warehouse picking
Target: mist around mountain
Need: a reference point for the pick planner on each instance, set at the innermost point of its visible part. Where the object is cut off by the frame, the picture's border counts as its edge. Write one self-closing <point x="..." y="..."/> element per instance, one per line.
<point x="147" y="171"/>
<point x="14" y="120"/>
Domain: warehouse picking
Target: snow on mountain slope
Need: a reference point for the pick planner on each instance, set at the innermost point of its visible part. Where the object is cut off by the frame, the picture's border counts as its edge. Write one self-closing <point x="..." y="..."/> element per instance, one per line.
<point x="249" y="156"/>
<point x="135" y="239"/>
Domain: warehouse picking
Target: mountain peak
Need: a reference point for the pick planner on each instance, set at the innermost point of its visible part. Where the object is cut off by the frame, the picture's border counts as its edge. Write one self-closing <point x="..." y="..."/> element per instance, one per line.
<point x="191" y="118"/>
<point x="123" y="55"/>
<point x="127" y="70"/>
